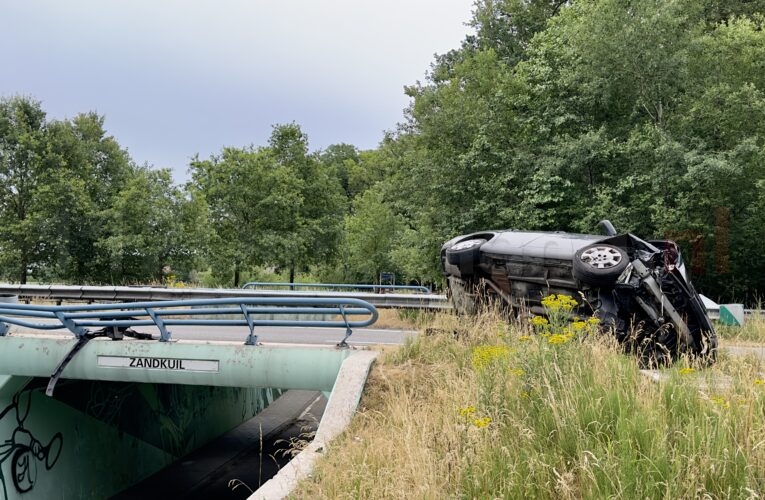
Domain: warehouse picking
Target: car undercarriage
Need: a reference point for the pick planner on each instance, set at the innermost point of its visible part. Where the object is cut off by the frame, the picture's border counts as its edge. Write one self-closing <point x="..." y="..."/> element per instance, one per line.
<point x="638" y="289"/>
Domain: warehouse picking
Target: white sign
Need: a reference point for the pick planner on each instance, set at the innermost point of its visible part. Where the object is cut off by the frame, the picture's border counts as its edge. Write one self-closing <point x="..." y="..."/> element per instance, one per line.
<point x="144" y="363"/>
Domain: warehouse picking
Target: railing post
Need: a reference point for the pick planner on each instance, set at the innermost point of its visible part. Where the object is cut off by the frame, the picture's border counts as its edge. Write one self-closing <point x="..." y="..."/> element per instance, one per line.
<point x="252" y="339"/>
<point x="348" y="332"/>
<point x="164" y="334"/>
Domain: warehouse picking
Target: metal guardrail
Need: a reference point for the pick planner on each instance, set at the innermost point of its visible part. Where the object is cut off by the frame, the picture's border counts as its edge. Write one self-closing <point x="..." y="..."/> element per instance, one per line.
<point x="115" y="320"/>
<point x="335" y="286"/>
<point x="715" y="313"/>
<point x="61" y="293"/>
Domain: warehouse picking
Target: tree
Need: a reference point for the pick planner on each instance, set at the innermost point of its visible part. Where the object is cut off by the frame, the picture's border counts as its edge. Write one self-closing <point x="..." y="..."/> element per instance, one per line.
<point x="371" y="232"/>
<point x="508" y="26"/>
<point x="272" y="205"/>
<point x="558" y="114"/>
<point x="313" y="234"/>
<point x="22" y="148"/>
<point x="341" y="160"/>
<point x="57" y="179"/>
<point x="248" y="197"/>
<point x="86" y="171"/>
<point x="156" y="228"/>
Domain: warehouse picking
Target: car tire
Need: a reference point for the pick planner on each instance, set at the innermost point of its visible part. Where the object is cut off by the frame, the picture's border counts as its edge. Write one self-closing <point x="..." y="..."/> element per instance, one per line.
<point x="599" y="264"/>
<point x="465" y="254"/>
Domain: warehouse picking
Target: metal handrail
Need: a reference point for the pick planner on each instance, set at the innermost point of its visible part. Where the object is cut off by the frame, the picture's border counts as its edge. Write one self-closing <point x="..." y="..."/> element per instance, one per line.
<point x="115" y="318"/>
<point x="68" y="293"/>
<point x="336" y="286"/>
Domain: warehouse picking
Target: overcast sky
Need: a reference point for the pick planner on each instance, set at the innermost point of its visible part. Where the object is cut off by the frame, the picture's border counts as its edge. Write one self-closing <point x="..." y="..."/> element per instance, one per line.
<point x="176" y="78"/>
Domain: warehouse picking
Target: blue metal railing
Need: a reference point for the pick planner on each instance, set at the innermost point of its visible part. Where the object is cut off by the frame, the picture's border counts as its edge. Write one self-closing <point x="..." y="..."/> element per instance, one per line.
<point x="76" y="293"/>
<point x="337" y="286"/>
<point x="114" y="319"/>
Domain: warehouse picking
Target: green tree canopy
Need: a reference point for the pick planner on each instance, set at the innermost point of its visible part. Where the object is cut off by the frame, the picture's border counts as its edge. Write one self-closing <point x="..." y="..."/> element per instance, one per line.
<point x="274" y="205"/>
<point x="22" y="151"/>
<point x="558" y="114"/>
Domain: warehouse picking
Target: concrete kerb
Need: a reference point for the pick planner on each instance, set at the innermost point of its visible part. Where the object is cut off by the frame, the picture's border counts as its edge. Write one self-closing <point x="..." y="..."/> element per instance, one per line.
<point x="341" y="406"/>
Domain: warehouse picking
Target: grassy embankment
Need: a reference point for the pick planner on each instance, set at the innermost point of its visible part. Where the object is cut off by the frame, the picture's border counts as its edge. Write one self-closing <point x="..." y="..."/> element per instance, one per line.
<point x="481" y="409"/>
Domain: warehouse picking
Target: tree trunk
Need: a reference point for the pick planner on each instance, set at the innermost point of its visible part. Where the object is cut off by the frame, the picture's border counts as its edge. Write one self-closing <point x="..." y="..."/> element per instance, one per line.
<point x="24" y="264"/>
<point x="292" y="277"/>
<point x="236" y="275"/>
<point x="23" y="268"/>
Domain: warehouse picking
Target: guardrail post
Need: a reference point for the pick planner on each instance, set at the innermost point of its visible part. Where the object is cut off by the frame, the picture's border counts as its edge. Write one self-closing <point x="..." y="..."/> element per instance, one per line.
<point x="73" y="327"/>
<point x="164" y="334"/>
<point x="348" y="332"/>
<point x="252" y="339"/>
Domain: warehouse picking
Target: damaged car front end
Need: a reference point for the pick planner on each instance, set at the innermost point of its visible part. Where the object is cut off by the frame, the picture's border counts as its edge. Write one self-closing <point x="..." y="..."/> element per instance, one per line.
<point x="639" y="289"/>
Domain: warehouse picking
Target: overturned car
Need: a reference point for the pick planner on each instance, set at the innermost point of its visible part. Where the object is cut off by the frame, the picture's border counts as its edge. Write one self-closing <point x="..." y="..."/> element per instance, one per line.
<point x="639" y="289"/>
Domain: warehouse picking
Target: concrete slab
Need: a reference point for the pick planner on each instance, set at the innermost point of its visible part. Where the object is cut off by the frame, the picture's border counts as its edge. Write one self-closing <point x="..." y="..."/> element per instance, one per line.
<point x="181" y="362"/>
<point x="340" y="409"/>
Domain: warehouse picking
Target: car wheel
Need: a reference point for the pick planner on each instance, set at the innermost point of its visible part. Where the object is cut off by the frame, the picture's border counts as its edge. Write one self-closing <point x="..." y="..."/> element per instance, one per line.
<point x="599" y="264"/>
<point x="465" y="254"/>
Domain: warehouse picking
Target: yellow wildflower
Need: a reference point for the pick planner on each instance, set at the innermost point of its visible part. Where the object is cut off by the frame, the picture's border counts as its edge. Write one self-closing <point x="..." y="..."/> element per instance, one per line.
<point x="559" y="338"/>
<point x="485" y="355"/>
<point x="467" y="411"/>
<point x="578" y="326"/>
<point x="482" y="422"/>
<point x="539" y="321"/>
<point x="559" y="302"/>
<point x="686" y="370"/>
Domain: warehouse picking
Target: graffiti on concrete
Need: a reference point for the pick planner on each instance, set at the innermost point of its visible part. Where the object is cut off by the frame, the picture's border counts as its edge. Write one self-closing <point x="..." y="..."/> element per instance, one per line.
<point x="25" y="452"/>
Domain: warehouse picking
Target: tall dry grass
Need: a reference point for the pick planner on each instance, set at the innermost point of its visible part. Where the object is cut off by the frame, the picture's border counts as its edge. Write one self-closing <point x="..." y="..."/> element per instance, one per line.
<point x="751" y="332"/>
<point x="480" y="409"/>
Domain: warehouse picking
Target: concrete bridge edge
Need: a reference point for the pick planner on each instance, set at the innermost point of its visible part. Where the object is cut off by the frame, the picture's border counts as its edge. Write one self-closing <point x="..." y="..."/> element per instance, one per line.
<point x="341" y="406"/>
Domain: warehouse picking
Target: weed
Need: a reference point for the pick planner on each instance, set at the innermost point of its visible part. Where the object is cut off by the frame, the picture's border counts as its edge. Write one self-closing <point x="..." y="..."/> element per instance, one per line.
<point x="500" y="412"/>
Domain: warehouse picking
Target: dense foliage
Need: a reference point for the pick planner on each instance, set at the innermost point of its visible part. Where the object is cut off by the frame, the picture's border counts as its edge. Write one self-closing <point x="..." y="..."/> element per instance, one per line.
<point x="648" y="113"/>
<point x="553" y="114"/>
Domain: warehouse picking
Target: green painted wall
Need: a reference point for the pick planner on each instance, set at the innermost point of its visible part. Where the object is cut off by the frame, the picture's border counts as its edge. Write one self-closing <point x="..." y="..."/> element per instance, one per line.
<point x="123" y="410"/>
<point x="236" y="365"/>
<point x="95" y="438"/>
